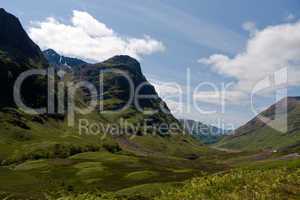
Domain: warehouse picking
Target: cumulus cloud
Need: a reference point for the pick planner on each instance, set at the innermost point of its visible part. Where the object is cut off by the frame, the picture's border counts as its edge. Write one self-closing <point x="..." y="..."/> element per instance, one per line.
<point x="172" y="93"/>
<point x="250" y="27"/>
<point x="166" y="89"/>
<point x="88" y="38"/>
<point x="290" y="17"/>
<point x="218" y="97"/>
<point x="267" y="51"/>
<point x="176" y="107"/>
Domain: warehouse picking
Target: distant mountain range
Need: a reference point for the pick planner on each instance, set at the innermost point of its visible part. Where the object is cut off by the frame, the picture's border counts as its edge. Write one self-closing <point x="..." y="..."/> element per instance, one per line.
<point x="205" y="133"/>
<point x="266" y="134"/>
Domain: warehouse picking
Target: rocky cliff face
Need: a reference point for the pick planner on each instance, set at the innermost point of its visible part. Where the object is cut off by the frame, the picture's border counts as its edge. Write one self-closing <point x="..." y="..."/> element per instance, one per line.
<point x="124" y="83"/>
<point x="19" y="53"/>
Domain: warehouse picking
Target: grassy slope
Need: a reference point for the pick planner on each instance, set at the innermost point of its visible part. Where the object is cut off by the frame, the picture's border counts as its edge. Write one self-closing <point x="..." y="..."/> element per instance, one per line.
<point x="241" y="184"/>
<point x="44" y="155"/>
<point x="266" y="137"/>
<point x="146" y="165"/>
<point x="97" y="171"/>
<point x="269" y="179"/>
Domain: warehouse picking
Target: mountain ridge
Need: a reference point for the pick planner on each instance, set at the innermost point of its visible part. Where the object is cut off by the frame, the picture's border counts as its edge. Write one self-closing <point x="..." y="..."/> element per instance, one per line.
<point x="257" y="134"/>
<point x="207" y="134"/>
<point x="59" y="61"/>
<point x="15" y="41"/>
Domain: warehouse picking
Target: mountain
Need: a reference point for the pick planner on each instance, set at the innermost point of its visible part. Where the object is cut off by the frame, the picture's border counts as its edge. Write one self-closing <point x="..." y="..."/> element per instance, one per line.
<point x="19" y="53"/>
<point x="207" y="134"/>
<point x="118" y="88"/>
<point x="38" y="136"/>
<point x="265" y="134"/>
<point x="63" y="62"/>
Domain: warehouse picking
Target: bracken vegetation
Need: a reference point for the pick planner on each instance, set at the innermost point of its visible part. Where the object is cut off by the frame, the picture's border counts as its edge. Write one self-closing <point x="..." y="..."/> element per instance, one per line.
<point x="241" y="185"/>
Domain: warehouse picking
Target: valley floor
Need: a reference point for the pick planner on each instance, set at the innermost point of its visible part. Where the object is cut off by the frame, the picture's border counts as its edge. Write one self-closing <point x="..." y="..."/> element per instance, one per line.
<point x="42" y="159"/>
<point x="104" y="175"/>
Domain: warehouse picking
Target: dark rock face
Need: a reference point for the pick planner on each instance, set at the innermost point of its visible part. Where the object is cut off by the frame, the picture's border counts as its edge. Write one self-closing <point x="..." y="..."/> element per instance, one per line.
<point x="19" y="53"/>
<point x="115" y="91"/>
<point x="125" y="61"/>
<point x="15" y="42"/>
<point x="116" y="85"/>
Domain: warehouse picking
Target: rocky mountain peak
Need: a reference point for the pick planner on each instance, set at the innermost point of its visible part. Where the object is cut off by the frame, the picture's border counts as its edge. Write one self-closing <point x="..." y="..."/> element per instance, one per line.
<point x="124" y="60"/>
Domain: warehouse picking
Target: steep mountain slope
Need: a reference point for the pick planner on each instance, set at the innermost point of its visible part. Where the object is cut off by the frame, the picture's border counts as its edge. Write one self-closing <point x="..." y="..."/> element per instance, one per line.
<point x="123" y="83"/>
<point x="118" y="74"/>
<point x="258" y="134"/>
<point x="15" y="43"/>
<point x="205" y="133"/>
<point x="17" y="54"/>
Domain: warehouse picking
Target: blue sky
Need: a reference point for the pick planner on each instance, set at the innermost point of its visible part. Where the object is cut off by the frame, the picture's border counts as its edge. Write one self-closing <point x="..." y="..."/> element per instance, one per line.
<point x="189" y="31"/>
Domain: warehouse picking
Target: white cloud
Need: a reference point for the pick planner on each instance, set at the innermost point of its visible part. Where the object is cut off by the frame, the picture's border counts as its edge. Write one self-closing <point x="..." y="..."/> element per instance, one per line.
<point x="218" y="97"/>
<point x="172" y="93"/>
<point x="175" y="95"/>
<point x="250" y="27"/>
<point x="176" y="107"/>
<point x="86" y="37"/>
<point x="290" y="17"/>
<point x="268" y="51"/>
<point x="167" y="89"/>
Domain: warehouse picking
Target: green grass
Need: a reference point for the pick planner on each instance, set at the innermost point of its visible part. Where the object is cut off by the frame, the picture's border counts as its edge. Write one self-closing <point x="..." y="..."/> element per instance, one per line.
<point x="141" y="175"/>
<point x="51" y="158"/>
<point x="90" y="170"/>
<point x="105" y="157"/>
<point x="32" y="165"/>
<point x="146" y="191"/>
<point x="93" y="172"/>
<point x="271" y="180"/>
<point x="272" y="163"/>
<point x="242" y="184"/>
<point x="103" y="175"/>
<point x="266" y="138"/>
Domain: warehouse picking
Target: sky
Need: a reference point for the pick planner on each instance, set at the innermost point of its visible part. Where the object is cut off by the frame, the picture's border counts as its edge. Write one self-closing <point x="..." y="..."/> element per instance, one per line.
<point x="205" y="58"/>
